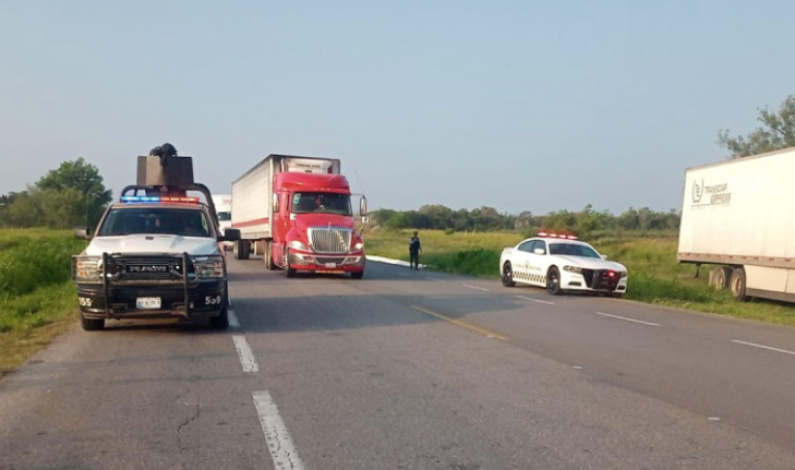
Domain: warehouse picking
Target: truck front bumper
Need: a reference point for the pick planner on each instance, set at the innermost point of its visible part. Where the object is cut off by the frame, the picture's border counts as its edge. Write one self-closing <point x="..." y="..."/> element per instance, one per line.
<point x="206" y="298"/>
<point x="334" y="264"/>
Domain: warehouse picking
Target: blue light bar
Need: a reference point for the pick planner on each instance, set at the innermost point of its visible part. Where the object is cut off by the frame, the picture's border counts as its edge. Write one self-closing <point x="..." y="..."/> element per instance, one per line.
<point x="140" y="199"/>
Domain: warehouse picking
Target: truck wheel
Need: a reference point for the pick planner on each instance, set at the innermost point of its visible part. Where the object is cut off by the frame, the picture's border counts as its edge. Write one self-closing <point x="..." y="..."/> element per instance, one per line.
<point x="243" y="250"/>
<point x="720" y="277"/>
<point x="290" y="272"/>
<point x="737" y="284"/>
<point x="357" y="274"/>
<point x="268" y="257"/>
<point x="221" y="322"/>
<point x="92" y="325"/>
<point x="553" y="281"/>
<point x="507" y="275"/>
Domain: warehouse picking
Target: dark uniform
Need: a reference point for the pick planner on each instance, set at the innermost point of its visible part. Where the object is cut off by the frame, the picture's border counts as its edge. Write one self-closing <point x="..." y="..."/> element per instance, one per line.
<point x="414" y="252"/>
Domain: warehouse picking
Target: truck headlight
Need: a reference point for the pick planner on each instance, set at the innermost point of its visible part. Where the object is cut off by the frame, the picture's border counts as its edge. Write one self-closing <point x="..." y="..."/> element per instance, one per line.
<point x="209" y="267"/>
<point x="359" y="246"/>
<point x="298" y="245"/>
<point x="573" y="269"/>
<point x="87" y="268"/>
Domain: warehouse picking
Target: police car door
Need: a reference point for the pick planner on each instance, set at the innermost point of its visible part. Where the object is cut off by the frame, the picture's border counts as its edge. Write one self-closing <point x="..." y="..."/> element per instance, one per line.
<point x="537" y="261"/>
<point x="520" y="261"/>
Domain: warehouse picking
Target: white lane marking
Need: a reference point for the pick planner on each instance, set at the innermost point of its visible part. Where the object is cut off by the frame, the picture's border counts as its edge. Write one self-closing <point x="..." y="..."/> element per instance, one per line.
<point x="713" y="418"/>
<point x="233" y="321"/>
<point x="627" y="319"/>
<point x="577" y="367"/>
<point x="535" y="300"/>
<point x="762" y="346"/>
<point x="246" y="355"/>
<point x="280" y="444"/>
<point x="475" y="287"/>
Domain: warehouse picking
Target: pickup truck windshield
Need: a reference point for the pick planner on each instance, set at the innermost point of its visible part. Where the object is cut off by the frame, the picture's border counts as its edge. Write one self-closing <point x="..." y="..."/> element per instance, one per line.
<point x="322" y="203"/>
<point x="130" y="221"/>
<point x="572" y="249"/>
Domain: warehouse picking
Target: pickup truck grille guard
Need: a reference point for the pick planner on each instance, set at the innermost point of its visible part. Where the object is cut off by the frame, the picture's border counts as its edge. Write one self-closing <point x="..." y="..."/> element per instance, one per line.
<point x="115" y="272"/>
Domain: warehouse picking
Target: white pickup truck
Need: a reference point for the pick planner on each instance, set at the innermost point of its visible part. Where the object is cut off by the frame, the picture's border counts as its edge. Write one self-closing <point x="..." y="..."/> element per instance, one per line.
<point x="157" y="255"/>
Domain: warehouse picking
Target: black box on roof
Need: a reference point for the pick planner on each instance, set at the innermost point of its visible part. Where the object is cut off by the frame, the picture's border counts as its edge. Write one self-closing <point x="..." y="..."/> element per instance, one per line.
<point x="177" y="171"/>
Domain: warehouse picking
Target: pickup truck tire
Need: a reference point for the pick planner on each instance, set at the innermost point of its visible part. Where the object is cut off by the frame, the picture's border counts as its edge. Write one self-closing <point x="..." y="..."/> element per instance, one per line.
<point x="507" y="275"/>
<point x="221" y="322"/>
<point x="92" y="325"/>
<point x="553" y="281"/>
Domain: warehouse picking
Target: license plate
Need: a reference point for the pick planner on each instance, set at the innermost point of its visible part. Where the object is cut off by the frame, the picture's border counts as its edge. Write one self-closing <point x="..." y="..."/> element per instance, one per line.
<point x="330" y="271"/>
<point x="331" y="265"/>
<point x="148" y="303"/>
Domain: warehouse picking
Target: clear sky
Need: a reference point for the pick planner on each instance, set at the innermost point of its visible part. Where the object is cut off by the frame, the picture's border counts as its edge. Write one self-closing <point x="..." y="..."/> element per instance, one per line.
<point x="517" y="105"/>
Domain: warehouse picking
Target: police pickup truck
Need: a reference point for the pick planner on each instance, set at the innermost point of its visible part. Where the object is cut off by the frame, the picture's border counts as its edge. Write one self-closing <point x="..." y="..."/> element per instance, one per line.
<point x="157" y="255"/>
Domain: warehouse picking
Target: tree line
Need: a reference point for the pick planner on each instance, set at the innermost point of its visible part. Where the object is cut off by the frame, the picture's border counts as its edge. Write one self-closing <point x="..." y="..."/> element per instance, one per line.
<point x="584" y="222"/>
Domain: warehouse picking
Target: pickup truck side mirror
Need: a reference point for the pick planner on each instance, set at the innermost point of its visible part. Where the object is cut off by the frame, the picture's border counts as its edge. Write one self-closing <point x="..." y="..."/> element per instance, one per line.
<point x="230" y="235"/>
<point x="82" y="234"/>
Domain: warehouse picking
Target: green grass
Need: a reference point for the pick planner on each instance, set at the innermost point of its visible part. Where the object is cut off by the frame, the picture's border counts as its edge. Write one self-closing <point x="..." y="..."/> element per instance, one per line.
<point x="37" y="297"/>
<point x="655" y="276"/>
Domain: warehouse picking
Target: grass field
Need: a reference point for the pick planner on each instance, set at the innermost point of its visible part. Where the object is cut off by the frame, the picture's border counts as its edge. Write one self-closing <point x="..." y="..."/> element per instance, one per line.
<point x="37" y="298"/>
<point x="655" y="276"/>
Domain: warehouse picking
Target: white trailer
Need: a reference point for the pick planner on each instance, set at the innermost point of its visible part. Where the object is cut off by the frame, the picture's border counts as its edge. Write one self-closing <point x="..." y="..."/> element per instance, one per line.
<point x="739" y="216"/>
<point x="223" y="207"/>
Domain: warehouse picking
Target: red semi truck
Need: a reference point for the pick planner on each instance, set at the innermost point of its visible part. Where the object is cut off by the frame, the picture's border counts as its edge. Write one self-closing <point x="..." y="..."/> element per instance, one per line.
<point x="297" y="212"/>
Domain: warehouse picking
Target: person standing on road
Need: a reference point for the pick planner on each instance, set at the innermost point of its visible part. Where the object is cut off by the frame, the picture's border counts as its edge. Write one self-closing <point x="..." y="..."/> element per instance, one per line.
<point x="415" y="247"/>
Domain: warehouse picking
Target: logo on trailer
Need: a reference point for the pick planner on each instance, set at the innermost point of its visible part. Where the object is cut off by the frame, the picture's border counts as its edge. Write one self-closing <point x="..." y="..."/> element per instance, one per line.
<point x="698" y="191"/>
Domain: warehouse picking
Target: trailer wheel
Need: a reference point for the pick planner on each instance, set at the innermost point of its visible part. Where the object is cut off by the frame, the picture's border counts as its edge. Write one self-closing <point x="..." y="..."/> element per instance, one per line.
<point x="720" y="277"/>
<point x="737" y="284"/>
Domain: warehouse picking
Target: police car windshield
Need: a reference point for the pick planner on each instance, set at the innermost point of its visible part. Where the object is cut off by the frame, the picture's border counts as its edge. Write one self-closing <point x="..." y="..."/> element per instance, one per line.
<point x="323" y="203"/>
<point x="163" y="221"/>
<point x="572" y="249"/>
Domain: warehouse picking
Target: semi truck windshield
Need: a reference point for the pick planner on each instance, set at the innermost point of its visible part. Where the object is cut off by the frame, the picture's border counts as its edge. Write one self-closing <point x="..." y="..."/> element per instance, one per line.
<point x="323" y="203"/>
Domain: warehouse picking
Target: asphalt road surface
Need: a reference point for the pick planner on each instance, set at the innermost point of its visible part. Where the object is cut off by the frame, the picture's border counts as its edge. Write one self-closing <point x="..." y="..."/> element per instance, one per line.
<point x="408" y="370"/>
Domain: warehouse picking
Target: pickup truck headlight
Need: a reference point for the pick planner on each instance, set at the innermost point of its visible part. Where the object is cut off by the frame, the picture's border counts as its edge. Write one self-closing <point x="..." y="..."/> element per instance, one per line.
<point x="298" y="245"/>
<point x="87" y="268"/>
<point x="573" y="269"/>
<point x="359" y="246"/>
<point x="209" y="267"/>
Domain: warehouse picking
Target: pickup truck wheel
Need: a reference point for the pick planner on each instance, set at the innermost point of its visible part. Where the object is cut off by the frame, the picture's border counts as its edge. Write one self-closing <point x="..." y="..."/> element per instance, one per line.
<point x="507" y="275"/>
<point x="221" y="322"/>
<point x="553" y="281"/>
<point x="737" y="284"/>
<point x="92" y="325"/>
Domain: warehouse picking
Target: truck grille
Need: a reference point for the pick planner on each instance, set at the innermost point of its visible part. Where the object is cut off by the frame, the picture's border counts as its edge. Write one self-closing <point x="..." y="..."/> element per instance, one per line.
<point x="149" y="268"/>
<point x="330" y="240"/>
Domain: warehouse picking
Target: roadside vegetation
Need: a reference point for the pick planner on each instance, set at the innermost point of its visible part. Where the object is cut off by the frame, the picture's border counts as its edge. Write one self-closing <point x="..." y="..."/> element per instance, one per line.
<point x="655" y="276"/>
<point x="37" y="298"/>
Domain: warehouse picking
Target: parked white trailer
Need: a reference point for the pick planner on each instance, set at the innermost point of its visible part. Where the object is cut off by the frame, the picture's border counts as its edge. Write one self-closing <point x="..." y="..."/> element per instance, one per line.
<point x="223" y="207"/>
<point x="739" y="216"/>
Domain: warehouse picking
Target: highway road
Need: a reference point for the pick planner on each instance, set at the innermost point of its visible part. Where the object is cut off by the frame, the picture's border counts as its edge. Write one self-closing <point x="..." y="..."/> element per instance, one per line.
<point x="408" y="370"/>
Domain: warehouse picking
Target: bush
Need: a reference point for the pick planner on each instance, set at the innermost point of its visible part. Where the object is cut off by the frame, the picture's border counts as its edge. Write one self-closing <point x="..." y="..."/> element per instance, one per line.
<point x="27" y="264"/>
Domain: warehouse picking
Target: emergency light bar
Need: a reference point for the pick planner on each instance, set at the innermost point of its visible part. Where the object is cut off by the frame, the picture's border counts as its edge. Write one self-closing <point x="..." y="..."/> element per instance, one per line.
<point x="554" y="235"/>
<point x="154" y="199"/>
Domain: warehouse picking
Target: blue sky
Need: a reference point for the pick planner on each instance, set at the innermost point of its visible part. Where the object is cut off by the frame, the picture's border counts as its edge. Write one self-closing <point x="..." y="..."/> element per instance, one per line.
<point x="517" y="105"/>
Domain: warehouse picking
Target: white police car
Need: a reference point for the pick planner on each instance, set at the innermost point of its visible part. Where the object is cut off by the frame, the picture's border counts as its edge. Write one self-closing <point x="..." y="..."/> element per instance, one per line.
<point x="559" y="262"/>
